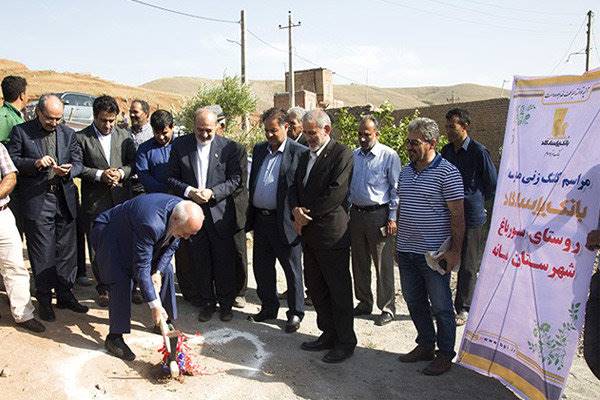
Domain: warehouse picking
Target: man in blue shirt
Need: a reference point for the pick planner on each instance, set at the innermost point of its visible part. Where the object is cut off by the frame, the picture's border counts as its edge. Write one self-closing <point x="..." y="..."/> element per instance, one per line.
<point x="479" y="180"/>
<point x="152" y="158"/>
<point x="373" y="221"/>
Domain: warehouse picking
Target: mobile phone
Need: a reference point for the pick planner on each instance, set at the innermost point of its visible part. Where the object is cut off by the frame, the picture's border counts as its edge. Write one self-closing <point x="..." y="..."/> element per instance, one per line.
<point x="383" y="231"/>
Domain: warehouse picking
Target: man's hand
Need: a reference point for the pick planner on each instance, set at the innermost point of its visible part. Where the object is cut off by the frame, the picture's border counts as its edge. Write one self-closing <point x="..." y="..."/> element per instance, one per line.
<point x="108" y="177"/>
<point x="44" y="162"/>
<point x="159" y="314"/>
<point x="452" y="259"/>
<point x="194" y="195"/>
<point x="205" y="195"/>
<point x="298" y="228"/>
<point x="157" y="281"/>
<point x="593" y="240"/>
<point x="62" y="170"/>
<point x="391" y="227"/>
<point x="301" y="216"/>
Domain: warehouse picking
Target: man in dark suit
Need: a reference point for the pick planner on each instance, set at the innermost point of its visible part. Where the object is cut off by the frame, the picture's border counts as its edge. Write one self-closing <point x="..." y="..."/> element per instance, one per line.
<point x="47" y="156"/>
<point x="319" y="206"/>
<point x="269" y="216"/>
<point x="136" y="240"/>
<point x="206" y="168"/>
<point x="108" y="158"/>
<point x="294" y="120"/>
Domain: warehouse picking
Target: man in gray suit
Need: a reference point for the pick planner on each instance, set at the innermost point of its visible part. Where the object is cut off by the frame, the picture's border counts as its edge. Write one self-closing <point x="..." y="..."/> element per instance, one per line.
<point x="108" y="158"/>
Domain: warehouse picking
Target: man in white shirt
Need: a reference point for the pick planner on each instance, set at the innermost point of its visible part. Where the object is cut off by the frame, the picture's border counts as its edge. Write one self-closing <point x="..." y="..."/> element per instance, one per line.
<point x="108" y="158"/>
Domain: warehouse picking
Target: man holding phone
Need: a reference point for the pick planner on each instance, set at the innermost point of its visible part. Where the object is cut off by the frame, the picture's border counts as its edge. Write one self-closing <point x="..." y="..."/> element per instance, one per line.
<point x="47" y="157"/>
<point x="373" y="220"/>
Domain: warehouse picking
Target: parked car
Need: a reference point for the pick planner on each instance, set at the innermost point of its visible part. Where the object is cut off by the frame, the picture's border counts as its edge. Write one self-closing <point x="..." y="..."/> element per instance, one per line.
<point x="78" y="109"/>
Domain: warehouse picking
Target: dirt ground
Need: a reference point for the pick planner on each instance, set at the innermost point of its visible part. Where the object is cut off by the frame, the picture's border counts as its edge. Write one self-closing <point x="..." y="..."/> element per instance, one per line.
<point x="240" y="360"/>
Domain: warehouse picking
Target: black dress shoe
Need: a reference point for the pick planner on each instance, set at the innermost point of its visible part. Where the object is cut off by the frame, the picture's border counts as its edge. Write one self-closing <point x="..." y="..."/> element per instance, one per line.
<point x="225" y="315"/>
<point x="337" y="355"/>
<point x="384" y="319"/>
<point x="136" y="297"/>
<point x="102" y="300"/>
<point x="32" y="325"/>
<point x="292" y="324"/>
<point x="46" y="312"/>
<point x="206" y="314"/>
<point x="262" y="316"/>
<point x="118" y="348"/>
<point x="72" y="305"/>
<point x="358" y="311"/>
<point x="317" y="345"/>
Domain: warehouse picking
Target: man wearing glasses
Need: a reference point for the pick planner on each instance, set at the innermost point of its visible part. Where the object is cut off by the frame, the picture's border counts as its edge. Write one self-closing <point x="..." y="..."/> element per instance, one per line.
<point x="430" y="211"/>
<point x="47" y="156"/>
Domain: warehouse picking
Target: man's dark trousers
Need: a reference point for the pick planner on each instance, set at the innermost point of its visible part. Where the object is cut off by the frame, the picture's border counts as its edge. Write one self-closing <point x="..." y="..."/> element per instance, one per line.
<point x="267" y="248"/>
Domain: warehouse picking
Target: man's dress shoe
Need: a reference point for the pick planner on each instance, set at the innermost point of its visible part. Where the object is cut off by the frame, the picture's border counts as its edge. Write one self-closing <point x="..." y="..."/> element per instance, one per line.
<point x="317" y="345"/>
<point x="292" y="324"/>
<point x="118" y="348"/>
<point x="32" y="325"/>
<point x="337" y="355"/>
<point x="46" y="312"/>
<point x="72" y="305"/>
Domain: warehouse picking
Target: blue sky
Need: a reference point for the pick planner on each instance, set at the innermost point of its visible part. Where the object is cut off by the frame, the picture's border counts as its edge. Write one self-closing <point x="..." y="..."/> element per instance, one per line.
<point x="393" y="43"/>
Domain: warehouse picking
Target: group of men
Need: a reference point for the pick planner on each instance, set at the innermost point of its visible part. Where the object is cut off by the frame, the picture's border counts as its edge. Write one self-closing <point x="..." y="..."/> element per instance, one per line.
<point x="309" y="200"/>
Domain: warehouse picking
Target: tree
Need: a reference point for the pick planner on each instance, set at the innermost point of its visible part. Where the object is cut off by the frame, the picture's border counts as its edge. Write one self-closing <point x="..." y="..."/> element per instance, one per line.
<point x="390" y="133"/>
<point x="236" y="100"/>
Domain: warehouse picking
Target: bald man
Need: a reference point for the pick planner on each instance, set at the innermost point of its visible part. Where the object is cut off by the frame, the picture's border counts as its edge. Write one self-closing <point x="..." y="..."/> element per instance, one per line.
<point x="47" y="157"/>
<point x="206" y="168"/>
<point x="136" y="240"/>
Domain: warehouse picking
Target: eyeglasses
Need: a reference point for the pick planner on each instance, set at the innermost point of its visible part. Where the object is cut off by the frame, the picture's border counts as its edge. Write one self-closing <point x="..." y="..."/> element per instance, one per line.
<point x="414" y="142"/>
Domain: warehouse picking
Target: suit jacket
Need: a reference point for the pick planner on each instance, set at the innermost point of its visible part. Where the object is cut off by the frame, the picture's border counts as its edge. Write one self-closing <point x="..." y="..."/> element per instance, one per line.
<point x="224" y="178"/>
<point x="25" y="147"/>
<point x="287" y="172"/>
<point x="325" y="195"/>
<point x="96" y="196"/>
<point x="134" y="239"/>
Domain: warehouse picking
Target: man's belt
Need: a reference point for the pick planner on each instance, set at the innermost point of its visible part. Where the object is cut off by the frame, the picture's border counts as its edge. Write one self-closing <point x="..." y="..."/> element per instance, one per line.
<point x="369" y="208"/>
<point x="266" y="213"/>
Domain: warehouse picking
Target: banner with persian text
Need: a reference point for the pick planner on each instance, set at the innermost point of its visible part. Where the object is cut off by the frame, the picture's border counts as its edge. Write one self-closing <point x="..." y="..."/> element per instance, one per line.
<point x="529" y="304"/>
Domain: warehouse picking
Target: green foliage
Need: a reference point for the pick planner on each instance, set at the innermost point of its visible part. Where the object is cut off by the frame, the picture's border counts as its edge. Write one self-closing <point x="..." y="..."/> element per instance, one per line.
<point x="235" y="99"/>
<point x="391" y="133"/>
<point x="552" y="348"/>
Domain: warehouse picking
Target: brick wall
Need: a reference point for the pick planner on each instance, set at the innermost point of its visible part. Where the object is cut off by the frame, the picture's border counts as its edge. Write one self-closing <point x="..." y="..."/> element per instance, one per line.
<point x="488" y="120"/>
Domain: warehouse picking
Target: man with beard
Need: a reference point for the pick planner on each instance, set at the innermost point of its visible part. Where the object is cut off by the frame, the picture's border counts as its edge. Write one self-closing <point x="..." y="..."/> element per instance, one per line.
<point x="46" y="153"/>
<point x="294" y="120"/>
<point x="152" y="158"/>
<point x="373" y="221"/>
<point x="430" y="211"/>
<point x="319" y="205"/>
<point x="108" y="160"/>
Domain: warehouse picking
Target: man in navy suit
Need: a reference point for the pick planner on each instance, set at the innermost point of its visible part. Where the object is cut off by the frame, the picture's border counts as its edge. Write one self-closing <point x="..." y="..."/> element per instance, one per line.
<point x="270" y="217"/>
<point x="136" y="240"/>
<point x="206" y="168"/>
<point x="46" y="153"/>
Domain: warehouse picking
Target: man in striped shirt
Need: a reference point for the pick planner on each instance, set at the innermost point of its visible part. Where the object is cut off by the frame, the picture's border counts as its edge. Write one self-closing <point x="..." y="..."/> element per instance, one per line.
<point x="430" y="210"/>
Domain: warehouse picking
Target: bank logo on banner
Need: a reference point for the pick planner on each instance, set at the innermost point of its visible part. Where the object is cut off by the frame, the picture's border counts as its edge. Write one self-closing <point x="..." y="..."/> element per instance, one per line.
<point x="529" y="304"/>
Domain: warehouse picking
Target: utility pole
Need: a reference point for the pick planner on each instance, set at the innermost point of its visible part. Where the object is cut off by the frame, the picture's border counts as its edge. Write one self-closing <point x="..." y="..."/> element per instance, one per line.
<point x="589" y="34"/>
<point x="292" y="91"/>
<point x="243" y="45"/>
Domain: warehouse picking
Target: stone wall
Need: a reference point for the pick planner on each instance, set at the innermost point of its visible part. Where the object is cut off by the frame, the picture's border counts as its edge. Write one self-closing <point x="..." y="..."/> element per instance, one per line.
<point x="488" y="119"/>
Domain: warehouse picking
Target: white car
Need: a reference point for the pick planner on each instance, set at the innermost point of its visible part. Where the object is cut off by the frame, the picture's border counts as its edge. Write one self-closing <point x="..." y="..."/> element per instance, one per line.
<point x="78" y="109"/>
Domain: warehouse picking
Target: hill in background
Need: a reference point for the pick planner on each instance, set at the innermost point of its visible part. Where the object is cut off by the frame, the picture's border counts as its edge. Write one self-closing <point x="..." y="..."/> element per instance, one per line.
<point x="351" y="95"/>
<point x="170" y="93"/>
<point x="40" y="82"/>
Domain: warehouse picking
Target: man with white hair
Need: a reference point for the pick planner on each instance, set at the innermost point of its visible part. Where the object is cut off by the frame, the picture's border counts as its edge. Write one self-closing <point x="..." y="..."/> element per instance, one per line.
<point x="318" y="199"/>
<point x="294" y="120"/>
<point x="430" y="211"/>
<point x="136" y="240"/>
<point x="206" y="168"/>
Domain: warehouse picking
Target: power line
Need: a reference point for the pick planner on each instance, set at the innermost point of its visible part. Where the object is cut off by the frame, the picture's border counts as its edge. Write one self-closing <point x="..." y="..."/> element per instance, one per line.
<point x="558" y="14"/>
<point x="562" y="59"/>
<point x="475" y="22"/>
<point x="227" y="21"/>
<point x="489" y="14"/>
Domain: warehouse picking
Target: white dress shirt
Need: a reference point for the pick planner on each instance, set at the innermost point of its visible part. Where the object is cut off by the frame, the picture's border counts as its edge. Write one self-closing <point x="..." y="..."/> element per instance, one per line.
<point x="105" y="144"/>
<point x="201" y="167"/>
<point x="312" y="158"/>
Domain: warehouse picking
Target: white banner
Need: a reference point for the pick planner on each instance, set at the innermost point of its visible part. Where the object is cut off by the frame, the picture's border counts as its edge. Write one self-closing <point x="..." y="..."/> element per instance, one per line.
<point x="529" y="304"/>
